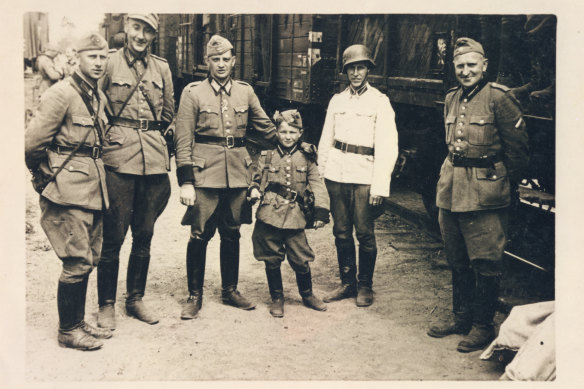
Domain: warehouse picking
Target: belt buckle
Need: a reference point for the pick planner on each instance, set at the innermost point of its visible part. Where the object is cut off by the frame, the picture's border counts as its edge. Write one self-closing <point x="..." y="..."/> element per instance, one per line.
<point x="96" y="152"/>
<point x="294" y="195"/>
<point x="456" y="159"/>
<point x="230" y="141"/>
<point x="143" y="124"/>
<point x="344" y="147"/>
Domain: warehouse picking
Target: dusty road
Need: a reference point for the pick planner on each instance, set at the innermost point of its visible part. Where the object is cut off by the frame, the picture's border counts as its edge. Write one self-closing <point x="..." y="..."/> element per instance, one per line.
<point x="386" y="341"/>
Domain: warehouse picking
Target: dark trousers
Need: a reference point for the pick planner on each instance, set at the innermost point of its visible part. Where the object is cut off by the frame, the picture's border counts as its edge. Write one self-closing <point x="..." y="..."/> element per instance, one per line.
<point x="76" y="237"/>
<point x="271" y="244"/>
<point x="350" y="207"/>
<point x="135" y="202"/>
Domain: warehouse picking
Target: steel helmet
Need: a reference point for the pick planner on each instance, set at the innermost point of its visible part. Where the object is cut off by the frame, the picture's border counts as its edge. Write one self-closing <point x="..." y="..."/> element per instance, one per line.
<point x="357" y="53"/>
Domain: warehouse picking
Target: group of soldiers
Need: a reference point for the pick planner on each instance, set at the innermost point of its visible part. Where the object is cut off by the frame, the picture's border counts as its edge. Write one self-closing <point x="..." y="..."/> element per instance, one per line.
<point x="99" y="158"/>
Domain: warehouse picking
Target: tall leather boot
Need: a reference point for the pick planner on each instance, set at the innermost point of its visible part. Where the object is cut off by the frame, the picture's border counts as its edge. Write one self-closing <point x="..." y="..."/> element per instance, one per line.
<point x="463" y="286"/>
<point x="365" y="278"/>
<point x="70" y="304"/>
<point x="276" y="291"/>
<point x="136" y="285"/>
<point x="100" y="333"/>
<point x="229" y="264"/>
<point x="107" y="285"/>
<point x="483" y="330"/>
<point x="347" y="269"/>
<point x="304" y="281"/>
<point x="196" y="259"/>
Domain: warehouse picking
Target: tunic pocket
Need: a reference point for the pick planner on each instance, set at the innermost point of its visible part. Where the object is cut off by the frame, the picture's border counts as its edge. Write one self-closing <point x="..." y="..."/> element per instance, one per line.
<point x="199" y="170"/>
<point x="156" y="92"/>
<point x="300" y="174"/>
<point x="481" y="130"/>
<point x="493" y="185"/>
<point x="119" y="90"/>
<point x="241" y="116"/>
<point x="208" y="117"/>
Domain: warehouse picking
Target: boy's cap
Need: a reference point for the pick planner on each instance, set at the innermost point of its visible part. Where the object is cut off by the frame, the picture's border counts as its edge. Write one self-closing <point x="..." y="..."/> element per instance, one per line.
<point x="291" y="117"/>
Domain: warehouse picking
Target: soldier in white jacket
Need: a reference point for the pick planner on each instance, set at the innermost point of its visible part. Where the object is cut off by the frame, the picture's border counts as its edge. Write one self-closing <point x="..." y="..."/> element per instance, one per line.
<point x="357" y="152"/>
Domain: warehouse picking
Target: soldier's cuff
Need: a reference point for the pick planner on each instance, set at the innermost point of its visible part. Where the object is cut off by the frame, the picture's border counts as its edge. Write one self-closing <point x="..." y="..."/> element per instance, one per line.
<point x="185" y="174"/>
<point x="321" y="214"/>
<point x="254" y="185"/>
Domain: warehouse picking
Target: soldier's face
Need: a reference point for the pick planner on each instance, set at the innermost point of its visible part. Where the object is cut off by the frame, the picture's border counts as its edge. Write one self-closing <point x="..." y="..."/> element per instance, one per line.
<point x="357" y="73"/>
<point x="140" y="35"/>
<point x="220" y="66"/>
<point x="92" y="63"/>
<point x="287" y="135"/>
<point x="470" y="68"/>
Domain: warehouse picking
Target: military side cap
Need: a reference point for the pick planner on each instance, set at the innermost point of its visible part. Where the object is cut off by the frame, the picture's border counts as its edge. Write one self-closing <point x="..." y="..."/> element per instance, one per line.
<point x="467" y="45"/>
<point x="218" y="45"/>
<point x="291" y="116"/>
<point x="150" y="19"/>
<point x="91" y="41"/>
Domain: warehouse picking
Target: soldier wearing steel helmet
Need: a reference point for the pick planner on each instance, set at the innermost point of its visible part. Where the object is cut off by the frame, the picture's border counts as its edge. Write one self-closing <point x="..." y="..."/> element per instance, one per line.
<point x="139" y="87"/>
<point x="487" y="145"/>
<point x="63" y="147"/>
<point x="214" y="169"/>
<point x="358" y="149"/>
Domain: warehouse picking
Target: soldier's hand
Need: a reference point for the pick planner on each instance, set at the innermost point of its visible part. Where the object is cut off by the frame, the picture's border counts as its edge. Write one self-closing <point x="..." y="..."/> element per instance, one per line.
<point x="254" y="196"/>
<point x="187" y="194"/>
<point x="318" y="224"/>
<point x="375" y="200"/>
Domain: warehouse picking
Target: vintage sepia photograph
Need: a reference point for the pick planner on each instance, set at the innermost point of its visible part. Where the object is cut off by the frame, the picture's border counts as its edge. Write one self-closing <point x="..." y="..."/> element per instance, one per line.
<point x="309" y="196"/>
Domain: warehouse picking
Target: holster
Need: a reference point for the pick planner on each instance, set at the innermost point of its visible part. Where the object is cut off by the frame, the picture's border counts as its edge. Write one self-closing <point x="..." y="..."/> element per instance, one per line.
<point x="307" y="207"/>
<point x="40" y="180"/>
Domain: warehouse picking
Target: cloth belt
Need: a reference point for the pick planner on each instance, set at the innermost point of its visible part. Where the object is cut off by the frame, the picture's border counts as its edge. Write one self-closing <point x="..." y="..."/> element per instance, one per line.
<point x="228" y="141"/>
<point x="348" y="148"/>
<point x="94" y="152"/>
<point x="138" y="124"/>
<point x="484" y="162"/>
<point x="285" y="192"/>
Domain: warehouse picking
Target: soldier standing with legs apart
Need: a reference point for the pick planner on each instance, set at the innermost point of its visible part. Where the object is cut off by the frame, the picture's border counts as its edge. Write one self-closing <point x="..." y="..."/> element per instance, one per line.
<point x="292" y="188"/>
<point x="487" y="144"/>
<point x="358" y="149"/>
<point x="139" y="88"/>
<point x="214" y="169"/>
<point x="63" y="147"/>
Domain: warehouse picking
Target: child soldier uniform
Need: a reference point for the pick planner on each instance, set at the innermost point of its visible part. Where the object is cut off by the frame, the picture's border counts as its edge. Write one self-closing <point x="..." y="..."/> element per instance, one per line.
<point x="284" y="176"/>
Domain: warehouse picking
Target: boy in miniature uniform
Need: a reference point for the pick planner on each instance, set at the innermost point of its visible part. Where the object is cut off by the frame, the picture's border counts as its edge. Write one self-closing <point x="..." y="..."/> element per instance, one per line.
<point x="283" y="177"/>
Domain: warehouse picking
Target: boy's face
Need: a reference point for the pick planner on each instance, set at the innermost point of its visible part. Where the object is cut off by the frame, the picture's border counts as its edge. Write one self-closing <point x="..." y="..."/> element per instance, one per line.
<point x="288" y="135"/>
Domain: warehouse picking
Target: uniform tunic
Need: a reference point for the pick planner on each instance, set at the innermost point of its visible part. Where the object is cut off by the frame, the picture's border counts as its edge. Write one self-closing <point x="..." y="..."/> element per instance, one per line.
<point x="49" y="72"/>
<point x="71" y="204"/>
<point x="280" y="224"/>
<point x="485" y="122"/>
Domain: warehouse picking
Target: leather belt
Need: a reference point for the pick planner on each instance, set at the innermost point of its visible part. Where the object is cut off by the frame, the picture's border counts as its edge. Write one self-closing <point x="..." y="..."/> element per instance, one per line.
<point x="348" y="148"/>
<point x="94" y="152"/>
<point x="484" y="162"/>
<point x="285" y="192"/>
<point x="138" y="124"/>
<point x="228" y="141"/>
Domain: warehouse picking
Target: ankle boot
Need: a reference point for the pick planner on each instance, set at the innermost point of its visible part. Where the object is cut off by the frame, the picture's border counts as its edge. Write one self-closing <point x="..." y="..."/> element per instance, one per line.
<point x="136" y="285"/>
<point x="304" y="281"/>
<point x="196" y="258"/>
<point x="365" y="278"/>
<point x="107" y="285"/>
<point x="274" y="276"/>
<point x="70" y="303"/>
<point x="229" y="265"/>
<point x="483" y="331"/>
<point x="347" y="270"/>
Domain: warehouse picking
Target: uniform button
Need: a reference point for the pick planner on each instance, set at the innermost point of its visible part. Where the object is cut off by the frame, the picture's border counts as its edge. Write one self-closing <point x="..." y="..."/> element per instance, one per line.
<point x="288" y="160"/>
<point x="288" y="189"/>
<point x="286" y="201"/>
<point x="457" y="148"/>
<point x="460" y="124"/>
<point x="228" y="123"/>
<point x="463" y="107"/>
<point x="459" y="131"/>
<point x="228" y="131"/>
<point x="287" y="167"/>
<point x="459" y="140"/>
<point x="462" y="115"/>
<point x="70" y="168"/>
<point x="287" y="175"/>
<point x="482" y="121"/>
<point x="494" y="177"/>
<point x="465" y="100"/>
<point x="287" y="182"/>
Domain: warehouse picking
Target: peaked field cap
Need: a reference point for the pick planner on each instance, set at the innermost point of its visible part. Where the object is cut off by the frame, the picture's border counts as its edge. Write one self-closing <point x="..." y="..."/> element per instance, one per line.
<point x="467" y="45"/>
<point x="91" y="41"/>
<point x="218" y="45"/>
<point x="150" y="19"/>
<point x="291" y="117"/>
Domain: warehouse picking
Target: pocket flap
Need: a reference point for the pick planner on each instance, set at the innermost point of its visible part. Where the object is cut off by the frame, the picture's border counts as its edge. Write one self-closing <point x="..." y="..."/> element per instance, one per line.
<point x="450" y="119"/>
<point x="82" y="120"/>
<point x="301" y="168"/>
<point x="198" y="162"/>
<point x="481" y="120"/>
<point x="72" y="165"/>
<point x="241" y="108"/>
<point x="158" y="83"/>
<point x="209" y="109"/>
<point x="122" y="81"/>
<point x="115" y="137"/>
<point x="498" y="172"/>
<point x="273" y="169"/>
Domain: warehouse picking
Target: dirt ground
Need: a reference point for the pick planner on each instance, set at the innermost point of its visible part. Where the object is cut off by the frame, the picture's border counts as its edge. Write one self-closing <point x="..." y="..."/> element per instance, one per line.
<point x="386" y="341"/>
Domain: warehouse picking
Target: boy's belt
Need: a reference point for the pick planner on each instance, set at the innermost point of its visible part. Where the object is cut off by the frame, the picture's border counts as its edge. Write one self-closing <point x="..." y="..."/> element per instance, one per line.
<point x="228" y="141"/>
<point x="348" y="148"/>
<point x="285" y="192"/>
<point x="138" y="124"/>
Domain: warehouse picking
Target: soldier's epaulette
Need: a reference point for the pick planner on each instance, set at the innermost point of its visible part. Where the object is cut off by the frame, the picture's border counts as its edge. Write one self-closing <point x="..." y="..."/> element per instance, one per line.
<point x="159" y="58"/>
<point x="193" y="84"/>
<point x="110" y="51"/>
<point x="500" y="87"/>
<point x="242" y="83"/>
<point x="454" y="88"/>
